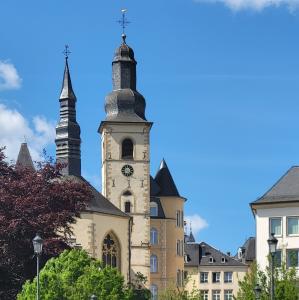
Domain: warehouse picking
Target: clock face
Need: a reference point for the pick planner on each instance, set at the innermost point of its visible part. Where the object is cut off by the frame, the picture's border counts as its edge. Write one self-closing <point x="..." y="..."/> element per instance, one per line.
<point x="127" y="170"/>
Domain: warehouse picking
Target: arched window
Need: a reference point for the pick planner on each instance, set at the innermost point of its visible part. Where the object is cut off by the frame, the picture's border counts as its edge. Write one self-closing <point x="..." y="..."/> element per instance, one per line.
<point x="127" y="207"/>
<point x="154" y="236"/>
<point x="154" y="292"/>
<point x="111" y="251"/>
<point x="153" y="209"/>
<point x="154" y="264"/>
<point x="127" y="149"/>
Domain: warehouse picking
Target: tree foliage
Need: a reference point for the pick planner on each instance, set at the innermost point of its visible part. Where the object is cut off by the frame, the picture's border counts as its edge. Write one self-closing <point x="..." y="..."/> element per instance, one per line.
<point x="74" y="275"/>
<point x="34" y="201"/>
<point x="285" y="283"/>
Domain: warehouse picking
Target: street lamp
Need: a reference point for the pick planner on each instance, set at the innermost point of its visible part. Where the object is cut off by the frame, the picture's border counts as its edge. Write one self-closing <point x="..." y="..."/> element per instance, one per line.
<point x="93" y="297"/>
<point x="257" y="292"/>
<point x="272" y="242"/>
<point x="38" y="248"/>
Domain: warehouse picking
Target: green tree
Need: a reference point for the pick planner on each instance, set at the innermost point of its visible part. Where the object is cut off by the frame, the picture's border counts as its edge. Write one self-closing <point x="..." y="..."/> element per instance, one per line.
<point x="74" y="275"/>
<point x="286" y="285"/>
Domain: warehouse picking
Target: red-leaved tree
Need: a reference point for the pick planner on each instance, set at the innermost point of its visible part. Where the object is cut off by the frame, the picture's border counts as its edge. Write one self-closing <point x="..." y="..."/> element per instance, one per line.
<point x="34" y="201"/>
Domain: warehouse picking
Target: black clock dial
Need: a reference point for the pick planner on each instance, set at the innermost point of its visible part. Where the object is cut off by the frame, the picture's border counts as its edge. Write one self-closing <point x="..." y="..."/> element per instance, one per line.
<point x="127" y="170"/>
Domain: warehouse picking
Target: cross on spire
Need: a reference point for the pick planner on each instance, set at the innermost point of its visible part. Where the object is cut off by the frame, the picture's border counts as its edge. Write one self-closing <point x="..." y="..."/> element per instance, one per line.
<point x="123" y="21"/>
<point x="66" y="51"/>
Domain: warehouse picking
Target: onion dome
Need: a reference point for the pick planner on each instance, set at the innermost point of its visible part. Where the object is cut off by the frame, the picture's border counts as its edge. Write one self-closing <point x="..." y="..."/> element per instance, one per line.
<point x="124" y="103"/>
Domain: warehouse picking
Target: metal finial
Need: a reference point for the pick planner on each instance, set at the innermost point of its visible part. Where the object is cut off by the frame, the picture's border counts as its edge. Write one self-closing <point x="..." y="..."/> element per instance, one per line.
<point x="123" y="23"/>
<point x="190" y="226"/>
<point x="66" y="51"/>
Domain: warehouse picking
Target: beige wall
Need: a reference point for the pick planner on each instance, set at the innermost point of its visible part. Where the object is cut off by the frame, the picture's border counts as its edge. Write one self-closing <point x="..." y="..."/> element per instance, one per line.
<point x="114" y="184"/>
<point x="91" y="229"/>
<point x="168" y="260"/>
<point x="194" y="278"/>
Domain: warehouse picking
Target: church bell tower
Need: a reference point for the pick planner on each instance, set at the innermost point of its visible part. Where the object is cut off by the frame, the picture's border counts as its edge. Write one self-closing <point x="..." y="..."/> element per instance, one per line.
<point x="125" y="135"/>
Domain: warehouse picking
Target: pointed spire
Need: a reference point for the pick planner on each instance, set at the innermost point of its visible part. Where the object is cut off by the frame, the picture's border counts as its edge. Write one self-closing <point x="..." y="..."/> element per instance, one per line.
<point x="68" y="141"/>
<point x="67" y="89"/>
<point x="191" y="236"/>
<point x="165" y="181"/>
<point x="24" y="158"/>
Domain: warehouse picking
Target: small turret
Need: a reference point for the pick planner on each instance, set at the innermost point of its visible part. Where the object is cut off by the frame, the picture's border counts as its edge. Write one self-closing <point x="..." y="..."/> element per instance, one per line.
<point x="24" y="158"/>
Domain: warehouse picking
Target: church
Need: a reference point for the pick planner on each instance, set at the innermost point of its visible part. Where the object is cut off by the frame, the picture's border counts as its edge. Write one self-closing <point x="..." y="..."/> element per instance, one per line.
<point x="136" y="223"/>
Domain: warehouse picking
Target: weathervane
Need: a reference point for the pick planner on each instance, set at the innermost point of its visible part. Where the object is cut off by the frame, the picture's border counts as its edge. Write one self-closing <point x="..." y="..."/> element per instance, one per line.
<point x="66" y="51"/>
<point x="123" y="21"/>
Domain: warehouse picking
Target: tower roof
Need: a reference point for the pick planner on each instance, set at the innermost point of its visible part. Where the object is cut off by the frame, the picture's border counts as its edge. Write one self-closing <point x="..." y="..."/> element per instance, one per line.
<point x="165" y="181"/>
<point x="124" y="103"/>
<point x="67" y="89"/>
<point x="24" y="158"/>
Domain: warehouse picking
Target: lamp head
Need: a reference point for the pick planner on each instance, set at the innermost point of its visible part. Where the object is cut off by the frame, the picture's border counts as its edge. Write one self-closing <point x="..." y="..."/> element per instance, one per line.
<point x="37" y="244"/>
<point x="272" y="242"/>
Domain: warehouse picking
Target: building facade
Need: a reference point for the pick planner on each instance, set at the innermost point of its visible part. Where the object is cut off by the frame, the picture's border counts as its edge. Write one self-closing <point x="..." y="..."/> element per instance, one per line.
<point x="136" y="223"/>
<point x="277" y="212"/>
<point x="215" y="274"/>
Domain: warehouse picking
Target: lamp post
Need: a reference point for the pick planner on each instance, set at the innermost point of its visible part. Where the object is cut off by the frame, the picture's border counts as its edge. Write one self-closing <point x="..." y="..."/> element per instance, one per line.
<point x="257" y="292"/>
<point x="272" y="242"/>
<point x="38" y="248"/>
<point x="93" y="297"/>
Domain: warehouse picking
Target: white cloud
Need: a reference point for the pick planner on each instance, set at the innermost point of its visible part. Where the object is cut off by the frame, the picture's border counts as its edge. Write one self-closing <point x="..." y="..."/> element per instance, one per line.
<point x="14" y="129"/>
<point x="257" y="5"/>
<point x="197" y="223"/>
<point x="9" y="77"/>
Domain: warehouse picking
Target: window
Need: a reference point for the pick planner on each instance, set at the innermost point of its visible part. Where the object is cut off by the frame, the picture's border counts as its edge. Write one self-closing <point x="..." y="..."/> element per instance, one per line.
<point x="178" y="221"/>
<point x="216" y="277"/>
<point x="275" y="226"/>
<point x="223" y="260"/>
<point x="153" y="209"/>
<point x="204" y="294"/>
<point x="293" y="225"/>
<point x="178" y="247"/>
<point x="228" y="295"/>
<point x="154" y="292"/>
<point x="154" y="236"/>
<point x="204" y="277"/>
<point x="228" y="277"/>
<point x="127" y="149"/>
<point x="178" y="278"/>
<point x="154" y="264"/>
<point x="110" y="251"/>
<point x="292" y="258"/>
<point x="216" y="295"/>
<point x="211" y="260"/>
<point x="182" y="219"/>
<point x="277" y="259"/>
<point x="127" y="206"/>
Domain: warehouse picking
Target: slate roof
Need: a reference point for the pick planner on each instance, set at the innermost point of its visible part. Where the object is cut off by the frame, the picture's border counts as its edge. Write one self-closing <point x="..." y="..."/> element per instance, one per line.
<point x="286" y="189"/>
<point x="67" y="91"/>
<point x="248" y="250"/>
<point x="165" y="181"/>
<point x="99" y="203"/>
<point x="200" y="254"/>
<point x="24" y="157"/>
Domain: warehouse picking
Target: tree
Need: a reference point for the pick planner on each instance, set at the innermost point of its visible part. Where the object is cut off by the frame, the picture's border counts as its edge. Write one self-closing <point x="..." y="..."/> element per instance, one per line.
<point x="34" y="201"/>
<point x="74" y="275"/>
<point x="286" y="285"/>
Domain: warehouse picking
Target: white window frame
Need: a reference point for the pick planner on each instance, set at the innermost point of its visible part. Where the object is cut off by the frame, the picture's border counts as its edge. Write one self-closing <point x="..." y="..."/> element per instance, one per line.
<point x="228" y="295"/>
<point x="228" y="277"/>
<point x="292" y="234"/>
<point x="205" y="277"/>
<point x="204" y="294"/>
<point x="270" y="226"/>
<point x="216" y="294"/>
<point x="154" y="292"/>
<point x="218" y="277"/>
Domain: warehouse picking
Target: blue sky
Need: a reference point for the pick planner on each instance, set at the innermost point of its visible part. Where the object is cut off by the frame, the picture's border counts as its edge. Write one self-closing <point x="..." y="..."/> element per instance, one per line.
<point x="221" y="80"/>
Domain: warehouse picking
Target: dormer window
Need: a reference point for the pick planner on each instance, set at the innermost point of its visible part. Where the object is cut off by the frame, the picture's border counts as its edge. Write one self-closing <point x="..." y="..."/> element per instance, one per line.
<point x="127" y="149"/>
<point x="211" y="260"/>
<point x="153" y="209"/>
<point x="223" y="260"/>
